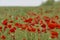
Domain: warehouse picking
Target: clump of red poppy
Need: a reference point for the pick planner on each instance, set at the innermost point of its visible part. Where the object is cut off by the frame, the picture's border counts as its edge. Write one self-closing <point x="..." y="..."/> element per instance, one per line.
<point x="54" y="34"/>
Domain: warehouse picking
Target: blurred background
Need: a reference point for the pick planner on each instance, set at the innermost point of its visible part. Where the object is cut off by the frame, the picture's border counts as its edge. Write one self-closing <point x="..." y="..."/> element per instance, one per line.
<point x="23" y="2"/>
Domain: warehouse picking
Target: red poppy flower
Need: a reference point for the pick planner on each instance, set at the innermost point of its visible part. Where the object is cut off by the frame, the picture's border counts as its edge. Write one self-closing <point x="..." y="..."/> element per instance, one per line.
<point x="41" y="22"/>
<point x="47" y="19"/>
<point x="52" y="21"/>
<point x="38" y="30"/>
<point x="12" y="30"/>
<point x="11" y="21"/>
<point x="18" y="25"/>
<point x="9" y="26"/>
<point x="58" y="26"/>
<point x="54" y="34"/>
<point x="5" y="22"/>
<point x="56" y="17"/>
<point x="33" y="30"/>
<point x="3" y="37"/>
<point x="38" y="18"/>
<point x="52" y="25"/>
<point x="24" y="26"/>
<point x="32" y="23"/>
<point x="29" y="29"/>
<point x="36" y="21"/>
<point x="43" y="26"/>
<point x="44" y="30"/>
<point x="29" y="20"/>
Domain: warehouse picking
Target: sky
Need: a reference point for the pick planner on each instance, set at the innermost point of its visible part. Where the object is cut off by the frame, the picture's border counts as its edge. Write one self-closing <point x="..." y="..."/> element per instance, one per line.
<point x="21" y="2"/>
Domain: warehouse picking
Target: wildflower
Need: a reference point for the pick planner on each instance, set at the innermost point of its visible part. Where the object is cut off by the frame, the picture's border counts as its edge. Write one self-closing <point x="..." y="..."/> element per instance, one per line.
<point x="41" y="22"/>
<point x="54" y="34"/>
<point x="5" y="22"/>
<point x="29" y="29"/>
<point x="32" y="23"/>
<point x="43" y="26"/>
<point x="56" y="17"/>
<point x="24" y="26"/>
<point x="47" y="19"/>
<point x="51" y="25"/>
<point x="58" y="26"/>
<point x="44" y="30"/>
<point x="11" y="21"/>
<point x="29" y="20"/>
<point x="33" y="30"/>
<point x="3" y="37"/>
<point x="18" y="25"/>
<point x="12" y="30"/>
<point x="35" y="20"/>
<point x="38" y="30"/>
<point x="9" y="26"/>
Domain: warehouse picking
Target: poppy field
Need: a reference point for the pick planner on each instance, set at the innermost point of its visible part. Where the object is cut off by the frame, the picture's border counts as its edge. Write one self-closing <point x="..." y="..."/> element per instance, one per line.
<point x="31" y="23"/>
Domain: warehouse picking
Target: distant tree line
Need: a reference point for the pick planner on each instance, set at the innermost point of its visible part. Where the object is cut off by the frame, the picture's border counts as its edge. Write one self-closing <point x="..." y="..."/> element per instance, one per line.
<point x="50" y="2"/>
